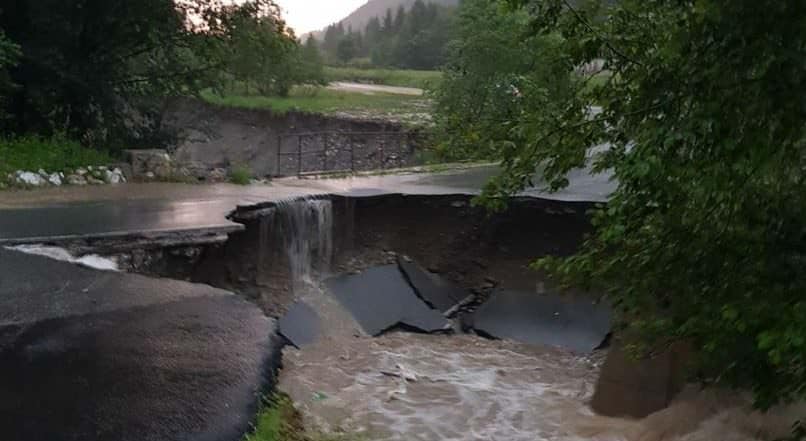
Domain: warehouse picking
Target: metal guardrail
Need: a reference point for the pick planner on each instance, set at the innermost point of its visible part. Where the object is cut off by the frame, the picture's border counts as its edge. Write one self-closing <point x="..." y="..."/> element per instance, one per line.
<point x="326" y="138"/>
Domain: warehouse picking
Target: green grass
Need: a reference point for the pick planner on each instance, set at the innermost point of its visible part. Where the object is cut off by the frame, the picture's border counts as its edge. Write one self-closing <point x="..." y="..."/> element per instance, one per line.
<point x="280" y="421"/>
<point x="54" y="154"/>
<point x="423" y="79"/>
<point x="321" y="100"/>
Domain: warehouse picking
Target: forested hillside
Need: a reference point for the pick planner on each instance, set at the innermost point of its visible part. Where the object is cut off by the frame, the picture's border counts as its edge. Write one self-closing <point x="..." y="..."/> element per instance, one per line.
<point x="412" y="38"/>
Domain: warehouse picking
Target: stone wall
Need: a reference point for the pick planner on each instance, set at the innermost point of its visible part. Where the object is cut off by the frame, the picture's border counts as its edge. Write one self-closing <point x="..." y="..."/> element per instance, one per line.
<point x="213" y="137"/>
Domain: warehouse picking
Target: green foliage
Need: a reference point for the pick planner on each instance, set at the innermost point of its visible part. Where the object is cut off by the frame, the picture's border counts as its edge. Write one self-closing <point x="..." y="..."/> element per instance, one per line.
<point x="262" y="51"/>
<point x="100" y="70"/>
<point x="703" y="241"/>
<point x="9" y="56"/>
<point x="480" y="102"/>
<point x="422" y="79"/>
<point x="51" y="154"/>
<point x="240" y="175"/>
<point x="311" y="69"/>
<point x="414" y="39"/>
<point x="347" y="49"/>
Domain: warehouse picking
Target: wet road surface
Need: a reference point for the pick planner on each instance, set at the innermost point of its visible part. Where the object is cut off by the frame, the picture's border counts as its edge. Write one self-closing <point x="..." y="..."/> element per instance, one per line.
<point x="70" y="212"/>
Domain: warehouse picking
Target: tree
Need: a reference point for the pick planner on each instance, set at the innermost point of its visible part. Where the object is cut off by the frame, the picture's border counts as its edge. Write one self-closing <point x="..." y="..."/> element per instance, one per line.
<point x="703" y="240"/>
<point x="347" y="49"/>
<point x="9" y="57"/>
<point x="87" y="66"/>
<point x="400" y="19"/>
<point x="312" y="66"/>
<point x="264" y="52"/>
<point x="424" y="37"/>
<point x="478" y="101"/>
<point x="388" y="23"/>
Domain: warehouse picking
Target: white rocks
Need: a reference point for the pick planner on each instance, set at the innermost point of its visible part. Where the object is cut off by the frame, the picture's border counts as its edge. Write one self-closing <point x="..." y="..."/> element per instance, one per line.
<point x="113" y="176"/>
<point x="55" y="179"/>
<point x="30" y="179"/>
<point x="95" y="175"/>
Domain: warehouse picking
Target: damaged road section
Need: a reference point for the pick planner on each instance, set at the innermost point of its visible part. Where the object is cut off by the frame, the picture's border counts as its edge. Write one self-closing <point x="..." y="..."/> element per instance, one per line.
<point x="579" y="325"/>
<point x="434" y="290"/>
<point x="380" y="299"/>
<point x="301" y="325"/>
<point x="103" y="356"/>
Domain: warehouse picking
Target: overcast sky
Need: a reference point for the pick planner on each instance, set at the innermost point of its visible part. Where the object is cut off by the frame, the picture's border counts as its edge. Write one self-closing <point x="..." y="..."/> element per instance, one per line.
<point x="311" y="15"/>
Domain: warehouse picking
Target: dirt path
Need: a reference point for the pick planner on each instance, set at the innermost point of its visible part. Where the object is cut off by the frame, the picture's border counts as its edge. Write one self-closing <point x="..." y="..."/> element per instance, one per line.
<point x="371" y="89"/>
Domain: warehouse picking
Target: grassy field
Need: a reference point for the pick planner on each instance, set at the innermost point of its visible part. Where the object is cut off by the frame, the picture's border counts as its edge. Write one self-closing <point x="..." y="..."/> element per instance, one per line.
<point x="403" y="108"/>
<point x="51" y="154"/>
<point x="422" y="79"/>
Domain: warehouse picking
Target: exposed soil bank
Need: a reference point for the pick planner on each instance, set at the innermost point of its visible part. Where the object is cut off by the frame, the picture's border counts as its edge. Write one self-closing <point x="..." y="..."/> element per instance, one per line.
<point x="213" y="137"/>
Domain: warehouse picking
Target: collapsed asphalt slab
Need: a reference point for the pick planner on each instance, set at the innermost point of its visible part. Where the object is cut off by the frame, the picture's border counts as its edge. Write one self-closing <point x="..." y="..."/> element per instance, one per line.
<point x="434" y="290"/>
<point x="301" y="325"/>
<point x="90" y="355"/>
<point x="578" y="325"/>
<point x="380" y="299"/>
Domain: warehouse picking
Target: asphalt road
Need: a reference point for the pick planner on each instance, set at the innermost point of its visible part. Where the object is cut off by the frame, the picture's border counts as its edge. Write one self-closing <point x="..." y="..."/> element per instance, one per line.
<point x="103" y="356"/>
<point x="108" y="211"/>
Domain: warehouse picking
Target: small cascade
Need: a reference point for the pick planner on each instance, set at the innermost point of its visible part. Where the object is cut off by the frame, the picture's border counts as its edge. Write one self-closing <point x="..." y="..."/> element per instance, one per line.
<point x="304" y="227"/>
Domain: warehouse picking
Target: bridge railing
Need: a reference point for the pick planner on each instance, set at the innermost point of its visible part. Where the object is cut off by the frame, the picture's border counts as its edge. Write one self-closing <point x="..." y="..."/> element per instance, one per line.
<point x="334" y="152"/>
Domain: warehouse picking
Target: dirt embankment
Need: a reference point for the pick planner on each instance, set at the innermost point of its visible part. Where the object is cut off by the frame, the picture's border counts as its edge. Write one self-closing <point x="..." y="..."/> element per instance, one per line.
<point x="268" y="144"/>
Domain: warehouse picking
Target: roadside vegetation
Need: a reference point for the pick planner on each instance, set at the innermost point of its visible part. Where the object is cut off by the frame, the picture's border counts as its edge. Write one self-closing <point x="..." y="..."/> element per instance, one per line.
<point x="702" y="242"/>
<point x="240" y="175"/>
<point x="53" y="154"/>
<point x="280" y="421"/>
<point x="421" y="79"/>
<point x="104" y="90"/>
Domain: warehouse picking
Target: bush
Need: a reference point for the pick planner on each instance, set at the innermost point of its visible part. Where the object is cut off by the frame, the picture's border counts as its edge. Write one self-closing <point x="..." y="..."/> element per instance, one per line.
<point x="240" y="175"/>
<point x="53" y="154"/>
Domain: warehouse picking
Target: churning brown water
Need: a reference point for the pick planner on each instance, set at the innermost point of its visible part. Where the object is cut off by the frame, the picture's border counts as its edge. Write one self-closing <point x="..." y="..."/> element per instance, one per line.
<point x="420" y="387"/>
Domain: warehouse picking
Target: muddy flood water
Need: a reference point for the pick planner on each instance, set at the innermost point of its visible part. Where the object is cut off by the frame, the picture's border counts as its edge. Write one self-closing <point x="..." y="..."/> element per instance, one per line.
<point x="406" y="386"/>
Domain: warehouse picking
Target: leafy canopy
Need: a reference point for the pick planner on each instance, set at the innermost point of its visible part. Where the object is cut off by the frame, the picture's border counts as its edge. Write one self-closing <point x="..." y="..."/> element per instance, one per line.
<point x="704" y="240"/>
<point x="100" y="69"/>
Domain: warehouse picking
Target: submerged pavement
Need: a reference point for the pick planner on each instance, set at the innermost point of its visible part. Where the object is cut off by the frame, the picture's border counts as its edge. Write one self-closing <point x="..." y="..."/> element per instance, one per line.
<point x="67" y="213"/>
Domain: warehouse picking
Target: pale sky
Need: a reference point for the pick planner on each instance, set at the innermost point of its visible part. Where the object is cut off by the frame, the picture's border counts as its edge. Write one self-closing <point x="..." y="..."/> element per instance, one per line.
<point x="311" y="15"/>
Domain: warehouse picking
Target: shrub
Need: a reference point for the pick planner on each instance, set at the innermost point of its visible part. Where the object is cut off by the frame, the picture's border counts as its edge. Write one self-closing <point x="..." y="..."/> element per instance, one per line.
<point x="240" y="175"/>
